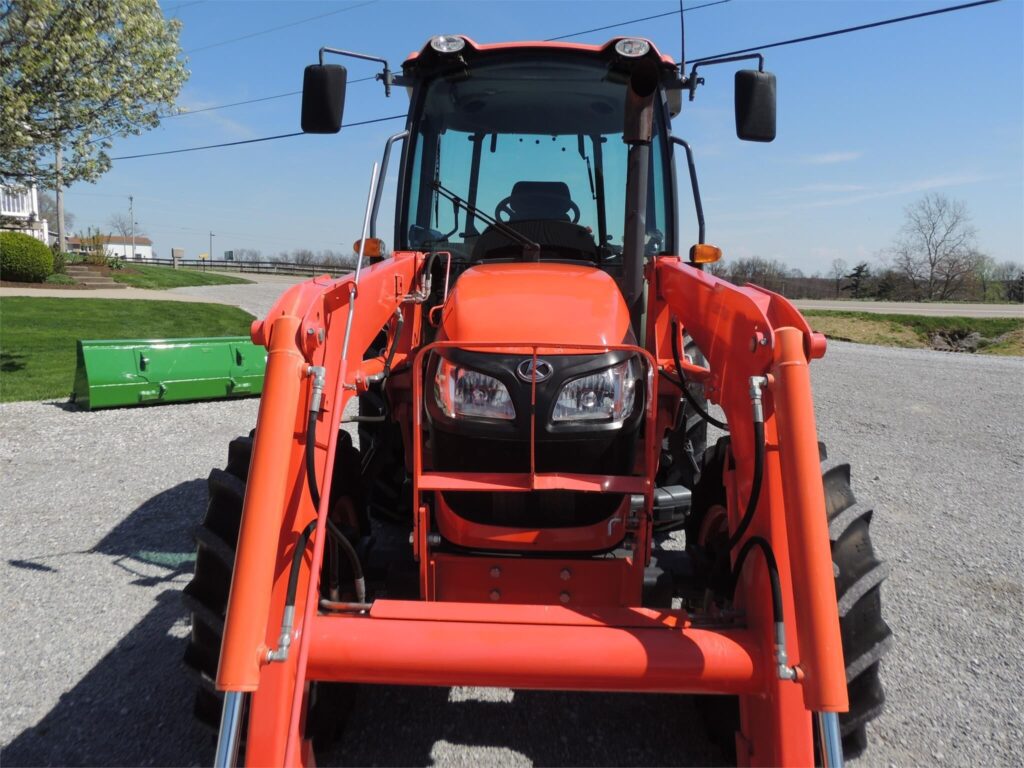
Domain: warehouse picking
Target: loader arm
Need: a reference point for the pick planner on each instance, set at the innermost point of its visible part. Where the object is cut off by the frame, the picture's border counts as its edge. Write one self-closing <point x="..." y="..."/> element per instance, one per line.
<point x="308" y="326"/>
<point x="747" y="332"/>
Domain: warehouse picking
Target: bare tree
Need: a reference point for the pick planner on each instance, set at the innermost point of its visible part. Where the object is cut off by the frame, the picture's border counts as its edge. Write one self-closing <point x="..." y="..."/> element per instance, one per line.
<point x="935" y="249"/>
<point x="248" y="254"/>
<point x="837" y="270"/>
<point x="121" y="224"/>
<point x="48" y="211"/>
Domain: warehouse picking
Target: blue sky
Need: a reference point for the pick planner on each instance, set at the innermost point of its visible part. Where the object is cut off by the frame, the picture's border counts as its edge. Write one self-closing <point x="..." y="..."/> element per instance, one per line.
<point x="867" y="123"/>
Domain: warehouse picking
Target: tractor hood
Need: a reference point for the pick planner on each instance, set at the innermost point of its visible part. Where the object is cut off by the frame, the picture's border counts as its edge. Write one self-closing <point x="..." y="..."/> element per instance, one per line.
<point x="535" y="303"/>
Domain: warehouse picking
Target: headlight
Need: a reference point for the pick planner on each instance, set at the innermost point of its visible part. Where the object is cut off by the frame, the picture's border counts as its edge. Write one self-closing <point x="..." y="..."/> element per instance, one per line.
<point x="607" y="397"/>
<point x="461" y="392"/>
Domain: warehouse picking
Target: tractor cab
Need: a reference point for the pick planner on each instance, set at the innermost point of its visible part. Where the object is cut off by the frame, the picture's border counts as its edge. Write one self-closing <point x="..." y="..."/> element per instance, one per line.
<point x="530" y="137"/>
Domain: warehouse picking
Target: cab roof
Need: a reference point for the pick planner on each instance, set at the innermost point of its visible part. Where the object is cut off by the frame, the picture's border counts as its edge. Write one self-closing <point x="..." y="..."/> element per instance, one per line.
<point x="607" y="49"/>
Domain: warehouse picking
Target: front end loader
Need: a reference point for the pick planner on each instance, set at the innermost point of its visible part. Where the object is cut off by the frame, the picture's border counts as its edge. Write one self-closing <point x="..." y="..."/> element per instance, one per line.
<point x="529" y="375"/>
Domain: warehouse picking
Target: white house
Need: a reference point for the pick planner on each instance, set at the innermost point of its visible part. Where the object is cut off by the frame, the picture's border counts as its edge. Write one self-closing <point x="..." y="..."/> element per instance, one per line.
<point x="19" y="211"/>
<point x="116" y="246"/>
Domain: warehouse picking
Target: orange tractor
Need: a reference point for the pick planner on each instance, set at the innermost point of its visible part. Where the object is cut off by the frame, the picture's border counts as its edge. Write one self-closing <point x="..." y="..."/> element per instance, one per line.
<point x="533" y="367"/>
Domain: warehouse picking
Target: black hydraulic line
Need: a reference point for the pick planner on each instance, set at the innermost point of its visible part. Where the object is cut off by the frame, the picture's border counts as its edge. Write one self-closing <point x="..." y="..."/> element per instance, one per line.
<point x="352" y="555"/>
<point x="773" y="572"/>
<point x="314" y="491"/>
<point x="300" y="550"/>
<point x="399" y="322"/>
<point x="682" y="383"/>
<point x="755" y="487"/>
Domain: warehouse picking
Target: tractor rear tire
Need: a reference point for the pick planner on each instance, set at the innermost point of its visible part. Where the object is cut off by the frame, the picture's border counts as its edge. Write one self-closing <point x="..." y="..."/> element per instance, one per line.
<point x="206" y="597"/>
<point x="859" y="574"/>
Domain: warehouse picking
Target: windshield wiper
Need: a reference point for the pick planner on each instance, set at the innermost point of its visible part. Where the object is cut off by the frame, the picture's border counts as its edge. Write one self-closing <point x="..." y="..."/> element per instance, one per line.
<point x="531" y="250"/>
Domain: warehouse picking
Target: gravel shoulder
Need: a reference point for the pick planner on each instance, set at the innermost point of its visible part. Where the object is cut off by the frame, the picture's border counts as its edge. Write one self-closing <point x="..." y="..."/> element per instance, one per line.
<point x="98" y="510"/>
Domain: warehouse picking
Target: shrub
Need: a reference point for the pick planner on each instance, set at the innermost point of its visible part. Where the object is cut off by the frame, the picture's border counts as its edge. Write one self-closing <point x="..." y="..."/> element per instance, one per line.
<point x="24" y="259"/>
<point x="60" y="262"/>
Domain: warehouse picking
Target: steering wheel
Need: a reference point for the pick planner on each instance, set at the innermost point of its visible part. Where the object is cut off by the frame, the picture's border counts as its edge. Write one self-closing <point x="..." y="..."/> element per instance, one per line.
<point x="505" y="207"/>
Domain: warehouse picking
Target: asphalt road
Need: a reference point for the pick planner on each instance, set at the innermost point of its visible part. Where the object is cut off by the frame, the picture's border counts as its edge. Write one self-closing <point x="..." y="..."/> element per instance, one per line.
<point x="98" y="509"/>
<point x="916" y="308"/>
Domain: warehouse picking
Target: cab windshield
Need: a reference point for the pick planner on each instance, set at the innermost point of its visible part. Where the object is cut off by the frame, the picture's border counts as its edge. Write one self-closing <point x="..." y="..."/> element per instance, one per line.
<point x="535" y="145"/>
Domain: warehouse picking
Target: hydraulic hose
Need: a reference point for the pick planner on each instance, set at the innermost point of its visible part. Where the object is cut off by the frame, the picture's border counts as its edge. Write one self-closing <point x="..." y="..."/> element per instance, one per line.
<point x="399" y="322"/>
<point x="353" y="559"/>
<point x="782" y="668"/>
<point x="773" y="572"/>
<point x="314" y="492"/>
<point x="755" y="487"/>
<point x="300" y="550"/>
<point x="284" y="638"/>
<point x="682" y="383"/>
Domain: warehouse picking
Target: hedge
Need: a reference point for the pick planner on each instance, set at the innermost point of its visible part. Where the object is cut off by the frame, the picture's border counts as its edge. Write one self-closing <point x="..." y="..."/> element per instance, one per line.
<point x="24" y="259"/>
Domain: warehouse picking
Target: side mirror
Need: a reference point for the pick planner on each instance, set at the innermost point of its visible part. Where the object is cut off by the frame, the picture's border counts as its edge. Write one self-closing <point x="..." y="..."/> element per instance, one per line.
<point x="323" y="98"/>
<point x="755" y="105"/>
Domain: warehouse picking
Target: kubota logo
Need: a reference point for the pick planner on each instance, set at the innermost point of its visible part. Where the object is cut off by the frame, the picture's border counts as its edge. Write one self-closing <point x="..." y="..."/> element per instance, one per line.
<point x="527" y="370"/>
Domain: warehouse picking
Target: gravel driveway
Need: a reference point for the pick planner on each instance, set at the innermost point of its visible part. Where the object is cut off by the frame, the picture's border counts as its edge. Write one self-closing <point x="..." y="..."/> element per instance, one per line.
<point x="98" y="508"/>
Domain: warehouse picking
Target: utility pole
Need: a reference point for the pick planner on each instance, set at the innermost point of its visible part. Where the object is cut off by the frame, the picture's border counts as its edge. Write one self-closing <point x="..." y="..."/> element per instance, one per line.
<point x="131" y="217"/>
<point x="62" y="240"/>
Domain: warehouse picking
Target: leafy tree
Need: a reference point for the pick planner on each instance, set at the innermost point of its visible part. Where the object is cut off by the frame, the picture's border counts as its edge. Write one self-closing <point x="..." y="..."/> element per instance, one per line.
<point x="935" y="250"/>
<point x="858" y="277"/>
<point x="77" y="73"/>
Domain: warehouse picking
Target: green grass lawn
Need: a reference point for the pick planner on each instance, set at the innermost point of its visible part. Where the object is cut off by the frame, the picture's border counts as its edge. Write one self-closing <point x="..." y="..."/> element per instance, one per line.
<point x="37" y="336"/>
<point x="1004" y="334"/>
<point x="161" y="278"/>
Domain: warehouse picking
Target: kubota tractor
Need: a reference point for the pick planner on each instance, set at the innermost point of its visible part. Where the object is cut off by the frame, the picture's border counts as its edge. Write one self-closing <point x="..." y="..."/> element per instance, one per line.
<point x="533" y="366"/>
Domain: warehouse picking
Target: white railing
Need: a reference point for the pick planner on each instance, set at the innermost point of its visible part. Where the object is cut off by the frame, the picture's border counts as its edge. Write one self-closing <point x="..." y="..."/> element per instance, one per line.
<point x="20" y="203"/>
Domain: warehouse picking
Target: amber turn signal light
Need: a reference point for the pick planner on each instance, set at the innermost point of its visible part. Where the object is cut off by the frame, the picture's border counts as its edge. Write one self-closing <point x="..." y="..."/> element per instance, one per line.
<point x="373" y="247"/>
<point x="702" y="253"/>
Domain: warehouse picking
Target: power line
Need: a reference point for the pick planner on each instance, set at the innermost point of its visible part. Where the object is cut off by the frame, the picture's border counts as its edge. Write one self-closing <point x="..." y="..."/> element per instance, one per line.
<point x="179" y="6"/>
<point x="248" y="141"/>
<point x="188" y="112"/>
<point x="634" y="21"/>
<point x="792" y="41"/>
<point x="847" y="30"/>
<point x="281" y="26"/>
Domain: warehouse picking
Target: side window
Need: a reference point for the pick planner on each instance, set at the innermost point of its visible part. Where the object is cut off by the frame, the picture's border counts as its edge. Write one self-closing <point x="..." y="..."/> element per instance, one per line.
<point x="658" y="223"/>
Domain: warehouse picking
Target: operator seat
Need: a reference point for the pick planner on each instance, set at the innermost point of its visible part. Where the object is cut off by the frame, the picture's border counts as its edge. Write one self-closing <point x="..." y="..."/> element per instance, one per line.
<point x="545" y="212"/>
<point x="536" y="200"/>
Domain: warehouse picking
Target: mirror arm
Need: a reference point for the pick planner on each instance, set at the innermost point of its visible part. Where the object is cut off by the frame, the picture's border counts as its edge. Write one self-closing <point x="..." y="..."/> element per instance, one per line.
<point x="691" y="82"/>
<point x="387" y="76"/>
<point x="693" y="184"/>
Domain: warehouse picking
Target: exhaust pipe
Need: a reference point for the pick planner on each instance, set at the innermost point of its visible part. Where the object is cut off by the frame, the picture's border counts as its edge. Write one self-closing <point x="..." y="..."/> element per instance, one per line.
<point x="637" y="132"/>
